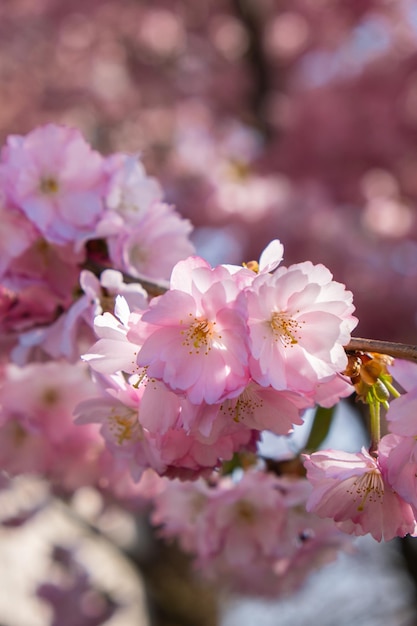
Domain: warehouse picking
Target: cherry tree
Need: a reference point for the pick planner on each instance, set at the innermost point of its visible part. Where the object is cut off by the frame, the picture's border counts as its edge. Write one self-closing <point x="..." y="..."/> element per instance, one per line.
<point x="144" y="351"/>
<point x="133" y="366"/>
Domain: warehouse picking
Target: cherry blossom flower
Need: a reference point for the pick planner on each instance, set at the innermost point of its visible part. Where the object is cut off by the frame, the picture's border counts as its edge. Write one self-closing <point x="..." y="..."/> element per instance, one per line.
<point x="179" y="507"/>
<point x="264" y="408"/>
<point x="195" y="334"/>
<point x="151" y="245"/>
<point x="144" y="425"/>
<point x="38" y="283"/>
<point x="37" y="430"/>
<point x="72" y="332"/>
<point x="250" y="534"/>
<point x="299" y="320"/>
<point x="353" y="489"/>
<point x="131" y="192"/>
<point x="401" y="464"/>
<point x="401" y="446"/>
<point x="57" y="180"/>
<point x="16" y="236"/>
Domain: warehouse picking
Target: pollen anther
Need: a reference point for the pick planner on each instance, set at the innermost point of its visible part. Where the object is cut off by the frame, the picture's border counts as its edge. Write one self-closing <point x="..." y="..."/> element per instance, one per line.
<point x="285" y="328"/>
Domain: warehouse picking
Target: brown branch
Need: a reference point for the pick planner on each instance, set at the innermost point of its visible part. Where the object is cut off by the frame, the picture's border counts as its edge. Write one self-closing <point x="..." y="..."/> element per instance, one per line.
<point x="396" y="350"/>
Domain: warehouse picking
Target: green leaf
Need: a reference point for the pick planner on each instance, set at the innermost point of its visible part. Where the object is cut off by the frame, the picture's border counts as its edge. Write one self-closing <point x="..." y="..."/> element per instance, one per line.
<point x="320" y="429"/>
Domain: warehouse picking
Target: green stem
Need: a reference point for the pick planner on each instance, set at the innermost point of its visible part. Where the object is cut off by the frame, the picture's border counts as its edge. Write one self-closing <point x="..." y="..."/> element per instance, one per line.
<point x="375" y="425"/>
<point x="393" y="391"/>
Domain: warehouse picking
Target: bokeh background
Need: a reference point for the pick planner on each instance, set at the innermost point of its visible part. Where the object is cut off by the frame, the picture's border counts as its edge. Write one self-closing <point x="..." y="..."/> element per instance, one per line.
<point x="294" y="119"/>
<point x="289" y="119"/>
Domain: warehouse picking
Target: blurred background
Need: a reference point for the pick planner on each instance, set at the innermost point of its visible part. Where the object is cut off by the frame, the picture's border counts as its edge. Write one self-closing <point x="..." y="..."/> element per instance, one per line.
<point x="294" y="119"/>
<point x="289" y="119"/>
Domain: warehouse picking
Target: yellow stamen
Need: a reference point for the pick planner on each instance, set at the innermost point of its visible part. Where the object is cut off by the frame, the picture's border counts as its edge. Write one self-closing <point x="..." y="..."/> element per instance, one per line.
<point x="368" y="487"/>
<point x="244" y="406"/>
<point x="199" y="336"/>
<point x="124" y="427"/>
<point x="285" y="329"/>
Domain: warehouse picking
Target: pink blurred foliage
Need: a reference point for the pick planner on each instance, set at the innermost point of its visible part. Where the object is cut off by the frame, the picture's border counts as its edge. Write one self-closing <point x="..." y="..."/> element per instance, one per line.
<point x="258" y="117"/>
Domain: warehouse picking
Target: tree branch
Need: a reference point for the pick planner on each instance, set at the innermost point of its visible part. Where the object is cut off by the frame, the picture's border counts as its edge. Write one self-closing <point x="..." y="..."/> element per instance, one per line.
<point x="396" y="350"/>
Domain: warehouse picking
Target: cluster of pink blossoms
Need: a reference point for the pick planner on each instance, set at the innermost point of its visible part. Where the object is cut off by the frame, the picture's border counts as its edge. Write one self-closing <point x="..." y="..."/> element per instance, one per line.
<point x="252" y="535"/>
<point x="225" y="353"/>
<point x="180" y="383"/>
<point x="63" y="205"/>
<point x="373" y="493"/>
<point x="66" y="210"/>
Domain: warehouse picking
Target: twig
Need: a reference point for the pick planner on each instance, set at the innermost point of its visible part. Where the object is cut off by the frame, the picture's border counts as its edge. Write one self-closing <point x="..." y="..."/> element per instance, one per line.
<point x="397" y="350"/>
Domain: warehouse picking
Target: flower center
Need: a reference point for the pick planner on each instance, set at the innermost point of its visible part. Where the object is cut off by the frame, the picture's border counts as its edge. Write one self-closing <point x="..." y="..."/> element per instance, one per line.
<point x="49" y="185"/>
<point x="50" y="396"/>
<point x="138" y="256"/>
<point x="285" y="329"/>
<point x="368" y="487"/>
<point x="243" y="407"/>
<point x="124" y="427"/>
<point x="246" y="512"/>
<point x="199" y="336"/>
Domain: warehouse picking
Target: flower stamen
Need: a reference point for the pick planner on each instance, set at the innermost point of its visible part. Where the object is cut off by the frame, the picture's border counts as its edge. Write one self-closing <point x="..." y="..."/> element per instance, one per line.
<point x="368" y="487"/>
<point x="124" y="427"/>
<point x="285" y="329"/>
<point x="199" y="336"/>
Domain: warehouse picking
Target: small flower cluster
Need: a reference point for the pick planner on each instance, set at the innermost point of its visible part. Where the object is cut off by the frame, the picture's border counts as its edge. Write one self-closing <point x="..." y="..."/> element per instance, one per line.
<point x="62" y="205"/>
<point x="225" y="353"/>
<point x="373" y="492"/>
<point x="253" y="534"/>
<point x="183" y="382"/>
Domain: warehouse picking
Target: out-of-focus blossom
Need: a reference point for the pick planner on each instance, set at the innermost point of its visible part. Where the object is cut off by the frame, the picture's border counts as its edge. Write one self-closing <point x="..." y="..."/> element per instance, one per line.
<point x="251" y="534"/>
<point x="38" y="434"/>
<point x="57" y="180"/>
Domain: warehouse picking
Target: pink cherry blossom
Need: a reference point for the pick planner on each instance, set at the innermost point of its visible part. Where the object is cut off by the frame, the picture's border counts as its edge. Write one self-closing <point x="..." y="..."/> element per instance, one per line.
<point x="400" y="447"/>
<point x="113" y="352"/>
<point x="269" y="260"/>
<point x="264" y="408"/>
<point x="38" y="433"/>
<point x="17" y="235"/>
<point x="402" y="415"/>
<point x="328" y="393"/>
<point x="37" y="283"/>
<point x="178" y="506"/>
<point x="72" y="332"/>
<point x="146" y="425"/>
<point x="405" y="373"/>
<point x="151" y="244"/>
<point x="353" y="490"/>
<point x="238" y="523"/>
<point x="131" y="192"/>
<point x="54" y="176"/>
<point x="299" y="320"/>
<point x="195" y="338"/>
<point x="250" y="534"/>
<point x="401" y="466"/>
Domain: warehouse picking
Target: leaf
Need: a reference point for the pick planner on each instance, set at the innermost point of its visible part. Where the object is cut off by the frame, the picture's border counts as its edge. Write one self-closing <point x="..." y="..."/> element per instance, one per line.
<point x="320" y="428"/>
